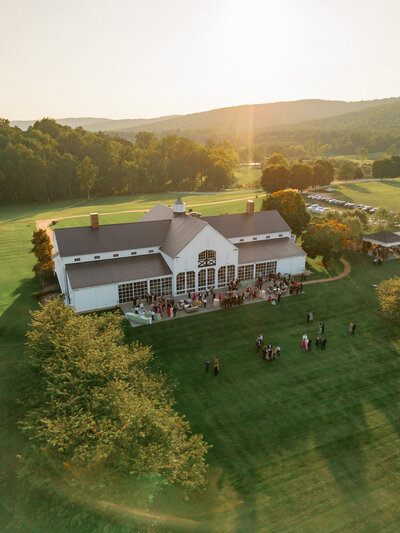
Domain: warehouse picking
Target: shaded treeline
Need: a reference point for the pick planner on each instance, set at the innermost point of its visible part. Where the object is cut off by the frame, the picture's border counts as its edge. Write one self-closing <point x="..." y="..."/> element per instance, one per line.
<point x="53" y="162"/>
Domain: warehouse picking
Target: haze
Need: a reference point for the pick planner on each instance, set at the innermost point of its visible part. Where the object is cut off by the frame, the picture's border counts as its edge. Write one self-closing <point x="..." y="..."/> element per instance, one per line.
<point x="125" y="59"/>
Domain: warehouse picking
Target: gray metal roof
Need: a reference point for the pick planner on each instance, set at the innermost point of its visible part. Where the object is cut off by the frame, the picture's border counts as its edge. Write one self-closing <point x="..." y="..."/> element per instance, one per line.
<point x="111" y="237"/>
<point x="243" y="224"/>
<point x="268" y="250"/>
<point x="123" y="269"/>
<point x="181" y="231"/>
<point x="158" y="212"/>
<point x="386" y="237"/>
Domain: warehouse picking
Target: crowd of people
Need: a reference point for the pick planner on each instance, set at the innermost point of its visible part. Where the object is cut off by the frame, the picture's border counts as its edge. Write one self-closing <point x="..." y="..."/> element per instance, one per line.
<point x="269" y="353"/>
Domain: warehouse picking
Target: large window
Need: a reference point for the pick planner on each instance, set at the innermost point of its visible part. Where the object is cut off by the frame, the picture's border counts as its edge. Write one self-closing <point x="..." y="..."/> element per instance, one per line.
<point x="180" y="283"/>
<point x="190" y="281"/>
<point x="271" y="267"/>
<point x="161" y="286"/>
<point x="210" y="278"/>
<point x="207" y="258"/>
<point x="246" y="272"/>
<point x="222" y="276"/>
<point x="185" y="282"/>
<point x="125" y="293"/>
<point x="230" y="273"/>
<point x="225" y="275"/>
<point x="202" y="280"/>
<point x="140" y="289"/>
<point x="264" y="269"/>
<point x="166" y="286"/>
<point x="261" y="270"/>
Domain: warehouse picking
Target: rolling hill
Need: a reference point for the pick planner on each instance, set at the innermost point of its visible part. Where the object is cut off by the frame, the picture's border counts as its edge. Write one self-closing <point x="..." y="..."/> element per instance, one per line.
<point x="97" y="124"/>
<point x="242" y="120"/>
<point x="383" y="118"/>
<point x="247" y="119"/>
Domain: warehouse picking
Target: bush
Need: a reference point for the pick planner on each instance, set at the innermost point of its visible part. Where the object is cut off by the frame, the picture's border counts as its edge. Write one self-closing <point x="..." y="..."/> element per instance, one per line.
<point x="389" y="297"/>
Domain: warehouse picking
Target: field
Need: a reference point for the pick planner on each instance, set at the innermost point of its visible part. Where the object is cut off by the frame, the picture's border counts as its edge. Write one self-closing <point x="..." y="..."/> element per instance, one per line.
<point x="247" y="175"/>
<point x="307" y="443"/>
<point x="384" y="193"/>
<point x="14" y="213"/>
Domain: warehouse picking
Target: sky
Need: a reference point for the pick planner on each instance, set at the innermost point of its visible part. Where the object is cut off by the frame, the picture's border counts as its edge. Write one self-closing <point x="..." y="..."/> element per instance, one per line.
<point x="148" y="58"/>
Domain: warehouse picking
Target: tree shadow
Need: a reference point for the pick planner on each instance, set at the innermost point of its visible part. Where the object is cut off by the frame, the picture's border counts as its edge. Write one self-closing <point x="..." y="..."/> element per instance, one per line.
<point x="13" y="324"/>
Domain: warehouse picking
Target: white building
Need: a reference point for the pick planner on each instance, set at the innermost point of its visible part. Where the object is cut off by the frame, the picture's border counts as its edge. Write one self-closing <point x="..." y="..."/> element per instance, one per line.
<point x="170" y="252"/>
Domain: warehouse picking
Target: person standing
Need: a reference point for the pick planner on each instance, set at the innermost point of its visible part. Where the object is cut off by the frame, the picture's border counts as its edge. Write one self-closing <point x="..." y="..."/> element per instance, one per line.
<point x="207" y="365"/>
<point x="353" y="329"/>
<point x="309" y="342"/>
<point x="216" y="366"/>
<point x="308" y="317"/>
<point x="323" y="343"/>
<point x="304" y="342"/>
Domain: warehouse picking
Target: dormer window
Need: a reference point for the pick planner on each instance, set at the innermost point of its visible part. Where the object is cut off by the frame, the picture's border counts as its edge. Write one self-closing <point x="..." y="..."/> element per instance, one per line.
<point x="207" y="258"/>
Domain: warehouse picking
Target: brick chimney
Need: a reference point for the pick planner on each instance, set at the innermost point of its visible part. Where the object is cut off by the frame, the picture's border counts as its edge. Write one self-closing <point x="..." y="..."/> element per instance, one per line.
<point x="94" y="220"/>
<point x="250" y="207"/>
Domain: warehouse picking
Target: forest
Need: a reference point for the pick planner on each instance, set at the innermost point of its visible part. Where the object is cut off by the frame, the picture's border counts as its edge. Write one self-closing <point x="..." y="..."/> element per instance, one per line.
<point x="54" y="162"/>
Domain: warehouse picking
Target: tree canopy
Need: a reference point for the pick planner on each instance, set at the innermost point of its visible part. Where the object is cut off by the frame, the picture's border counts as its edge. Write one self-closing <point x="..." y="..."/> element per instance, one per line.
<point x="291" y="206"/>
<point x="96" y="408"/>
<point x="54" y="162"/>
<point x="326" y="238"/>
<point x="389" y="297"/>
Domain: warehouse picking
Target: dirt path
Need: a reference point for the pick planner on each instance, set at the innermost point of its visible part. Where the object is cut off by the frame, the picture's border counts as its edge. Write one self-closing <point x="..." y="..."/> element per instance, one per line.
<point x="44" y="223"/>
<point x="346" y="272"/>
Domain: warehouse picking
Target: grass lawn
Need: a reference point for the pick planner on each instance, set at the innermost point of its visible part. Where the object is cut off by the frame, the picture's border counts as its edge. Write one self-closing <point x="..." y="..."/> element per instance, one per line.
<point x="376" y="193"/>
<point x="310" y="442"/>
<point x="27" y="212"/>
<point x="206" y="210"/>
<point x="247" y="175"/>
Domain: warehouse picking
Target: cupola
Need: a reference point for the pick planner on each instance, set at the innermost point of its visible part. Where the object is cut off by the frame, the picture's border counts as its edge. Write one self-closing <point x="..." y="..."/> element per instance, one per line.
<point x="179" y="207"/>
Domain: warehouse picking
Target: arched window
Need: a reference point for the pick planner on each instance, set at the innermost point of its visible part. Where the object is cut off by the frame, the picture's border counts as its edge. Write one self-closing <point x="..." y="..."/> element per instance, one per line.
<point x="207" y="258"/>
<point x="180" y="283"/>
<point x="222" y="276"/>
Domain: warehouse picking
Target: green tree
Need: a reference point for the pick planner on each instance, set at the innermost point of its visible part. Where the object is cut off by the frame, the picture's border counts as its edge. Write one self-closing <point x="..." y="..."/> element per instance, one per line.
<point x="382" y="168"/>
<point x="291" y="206"/>
<point x="39" y="237"/>
<point x="346" y="170"/>
<point x="326" y="238"/>
<point x="99" y="413"/>
<point x="323" y="172"/>
<point x="358" y="174"/>
<point x="302" y="176"/>
<point x="87" y="173"/>
<point x="275" y="178"/>
<point x="389" y="297"/>
<point x="276" y="159"/>
<point x="362" y="154"/>
<point x="355" y="228"/>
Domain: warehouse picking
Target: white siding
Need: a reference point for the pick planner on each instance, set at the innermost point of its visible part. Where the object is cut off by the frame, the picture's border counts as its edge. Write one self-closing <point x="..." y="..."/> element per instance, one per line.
<point x="92" y="298"/>
<point x="292" y="265"/>
<point x="207" y="239"/>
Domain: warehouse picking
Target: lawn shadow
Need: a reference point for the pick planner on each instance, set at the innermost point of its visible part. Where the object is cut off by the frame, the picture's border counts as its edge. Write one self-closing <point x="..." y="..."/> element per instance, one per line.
<point x="13" y="381"/>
